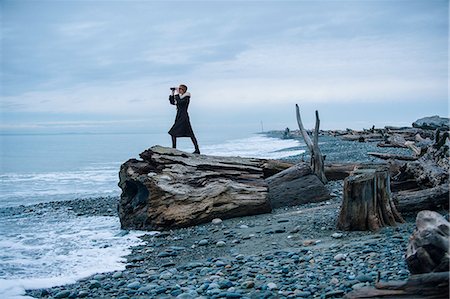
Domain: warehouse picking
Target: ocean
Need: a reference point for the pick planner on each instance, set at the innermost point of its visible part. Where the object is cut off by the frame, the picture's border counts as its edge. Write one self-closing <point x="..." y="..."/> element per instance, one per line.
<point x="48" y="248"/>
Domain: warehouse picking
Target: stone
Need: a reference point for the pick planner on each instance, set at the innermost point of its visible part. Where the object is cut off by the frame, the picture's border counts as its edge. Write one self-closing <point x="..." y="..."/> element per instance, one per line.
<point x="221" y="244"/>
<point x="337" y="235"/>
<point x="364" y="278"/>
<point x="62" y="294"/>
<point x="134" y="285"/>
<point x="216" y="221"/>
<point x="94" y="284"/>
<point x="432" y="123"/>
<point x="203" y="242"/>
<point x="339" y="257"/>
<point x="248" y="284"/>
<point x="83" y="294"/>
<point x="272" y="286"/>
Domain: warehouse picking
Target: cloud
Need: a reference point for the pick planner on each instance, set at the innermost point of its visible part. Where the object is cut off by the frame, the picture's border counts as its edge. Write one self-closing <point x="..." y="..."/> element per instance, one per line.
<point x="120" y="60"/>
<point x="81" y="30"/>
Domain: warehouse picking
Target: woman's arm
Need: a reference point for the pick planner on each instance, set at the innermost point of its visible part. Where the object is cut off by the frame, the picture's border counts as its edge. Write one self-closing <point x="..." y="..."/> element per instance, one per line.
<point x="172" y="99"/>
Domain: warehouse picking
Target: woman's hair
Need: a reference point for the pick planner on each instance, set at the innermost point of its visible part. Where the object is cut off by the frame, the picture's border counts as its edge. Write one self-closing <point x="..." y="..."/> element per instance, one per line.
<point x="184" y="87"/>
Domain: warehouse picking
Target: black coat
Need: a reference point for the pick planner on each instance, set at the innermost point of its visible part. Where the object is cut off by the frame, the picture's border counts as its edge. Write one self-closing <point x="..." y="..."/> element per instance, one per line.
<point x="182" y="126"/>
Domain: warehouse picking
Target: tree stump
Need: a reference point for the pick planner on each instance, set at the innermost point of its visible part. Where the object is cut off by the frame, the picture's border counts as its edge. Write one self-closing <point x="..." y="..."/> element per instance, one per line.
<point x="428" y="248"/>
<point x="367" y="202"/>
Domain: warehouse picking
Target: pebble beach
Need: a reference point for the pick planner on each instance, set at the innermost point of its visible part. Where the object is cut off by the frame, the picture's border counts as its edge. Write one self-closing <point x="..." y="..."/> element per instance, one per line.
<point x="294" y="252"/>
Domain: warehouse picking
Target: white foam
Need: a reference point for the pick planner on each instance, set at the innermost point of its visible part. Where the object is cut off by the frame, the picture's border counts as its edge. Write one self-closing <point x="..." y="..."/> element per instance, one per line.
<point x="40" y="252"/>
<point x="256" y="147"/>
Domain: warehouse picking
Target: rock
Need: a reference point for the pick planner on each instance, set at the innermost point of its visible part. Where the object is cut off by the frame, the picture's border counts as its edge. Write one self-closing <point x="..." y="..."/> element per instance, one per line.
<point x="248" y="284"/>
<point x="337" y="235"/>
<point x="62" y="294"/>
<point x="339" y="257"/>
<point x="83" y="294"/>
<point x="221" y="244"/>
<point x="272" y="286"/>
<point x="118" y="275"/>
<point x="94" y="284"/>
<point x="364" y="278"/>
<point x="134" y="285"/>
<point x="203" y="242"/>
<point x="216" y="221"/>
<point x="432" y="123"/>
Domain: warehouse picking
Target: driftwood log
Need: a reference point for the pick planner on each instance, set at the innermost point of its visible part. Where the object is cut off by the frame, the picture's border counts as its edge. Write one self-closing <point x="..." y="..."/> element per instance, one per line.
<point x="420" y="286"/>
<point x="317" y="159"/>
<point x="386" y="156"/>
<point x="169" y="188"/>
<point x="427" y="199"/>
<point x="429" y="246"/>
<point x="296" y="185"/>
<point x="367" y="203"/>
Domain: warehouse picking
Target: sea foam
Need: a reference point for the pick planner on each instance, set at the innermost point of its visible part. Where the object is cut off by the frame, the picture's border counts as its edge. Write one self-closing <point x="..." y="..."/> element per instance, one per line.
<point x="56" y="249"/>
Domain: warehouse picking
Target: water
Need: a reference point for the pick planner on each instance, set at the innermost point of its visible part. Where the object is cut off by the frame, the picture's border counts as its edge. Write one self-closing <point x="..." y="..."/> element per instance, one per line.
<point x="48" y="247"/>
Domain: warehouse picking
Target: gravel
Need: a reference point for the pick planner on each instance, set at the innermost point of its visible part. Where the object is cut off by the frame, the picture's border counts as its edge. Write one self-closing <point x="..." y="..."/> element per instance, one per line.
<point x="294" y="252"/>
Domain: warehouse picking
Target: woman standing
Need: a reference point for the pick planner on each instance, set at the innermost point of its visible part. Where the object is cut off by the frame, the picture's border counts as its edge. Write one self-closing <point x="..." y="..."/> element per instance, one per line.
<point x="182" y="126"/>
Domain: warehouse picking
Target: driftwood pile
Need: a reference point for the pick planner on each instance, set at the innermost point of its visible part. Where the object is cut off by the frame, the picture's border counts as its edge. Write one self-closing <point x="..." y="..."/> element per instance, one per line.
<point x="169" y="188"/>
<point x="421" y="180"/>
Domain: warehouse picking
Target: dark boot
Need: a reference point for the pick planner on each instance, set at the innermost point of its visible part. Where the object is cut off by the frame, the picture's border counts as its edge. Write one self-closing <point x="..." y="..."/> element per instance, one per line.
<point x="194" y="141"/>
<point x="174" y="142"/>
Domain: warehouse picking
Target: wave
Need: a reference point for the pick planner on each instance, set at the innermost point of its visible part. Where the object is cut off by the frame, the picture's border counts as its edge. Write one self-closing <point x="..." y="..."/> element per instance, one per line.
<point x="50" y="250"/>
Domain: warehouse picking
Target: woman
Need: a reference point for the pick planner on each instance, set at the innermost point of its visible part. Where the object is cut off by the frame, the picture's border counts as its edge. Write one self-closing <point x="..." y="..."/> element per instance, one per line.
<point x="182" y="126"/>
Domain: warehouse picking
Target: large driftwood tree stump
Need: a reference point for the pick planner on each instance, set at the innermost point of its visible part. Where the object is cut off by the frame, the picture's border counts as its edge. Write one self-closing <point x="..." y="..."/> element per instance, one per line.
<point x="429" y="249"/>
<point x="317" y="159"/>
<point x="169" y="188"/>
<point x="367" y="202"/>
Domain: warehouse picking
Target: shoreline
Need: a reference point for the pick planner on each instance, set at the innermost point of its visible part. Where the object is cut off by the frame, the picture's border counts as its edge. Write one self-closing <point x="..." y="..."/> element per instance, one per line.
<point x="291" y="252"/>
<point x="293" y="248"/>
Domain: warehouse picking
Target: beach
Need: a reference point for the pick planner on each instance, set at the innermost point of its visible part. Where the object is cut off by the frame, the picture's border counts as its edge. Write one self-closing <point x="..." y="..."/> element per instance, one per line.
<point x="291" y="252"/>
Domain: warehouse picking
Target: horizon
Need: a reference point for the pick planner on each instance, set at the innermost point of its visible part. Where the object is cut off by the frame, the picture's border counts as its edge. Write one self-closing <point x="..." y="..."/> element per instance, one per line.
<point x="106" y="66"/>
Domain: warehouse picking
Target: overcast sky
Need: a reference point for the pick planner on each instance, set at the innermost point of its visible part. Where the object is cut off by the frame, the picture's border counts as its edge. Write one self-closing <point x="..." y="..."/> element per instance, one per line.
<point x="108" y="65"/>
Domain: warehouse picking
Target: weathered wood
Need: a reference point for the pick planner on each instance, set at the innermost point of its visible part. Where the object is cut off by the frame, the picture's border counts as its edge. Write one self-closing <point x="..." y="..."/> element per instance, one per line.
<point x="420" y="286"/>
<point x="367" y="203"/>
<point x="435" y="198"/>
<point x="395" y="140"/>
<point x="296" y="185"/>
<point x="171" y="188"/>
<point x="272" y="167"/>
<point x="429" y="246"/>
<point x="386" y="156"/>
<point x="317" y="159"/>
<point x="339" y="171"/>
